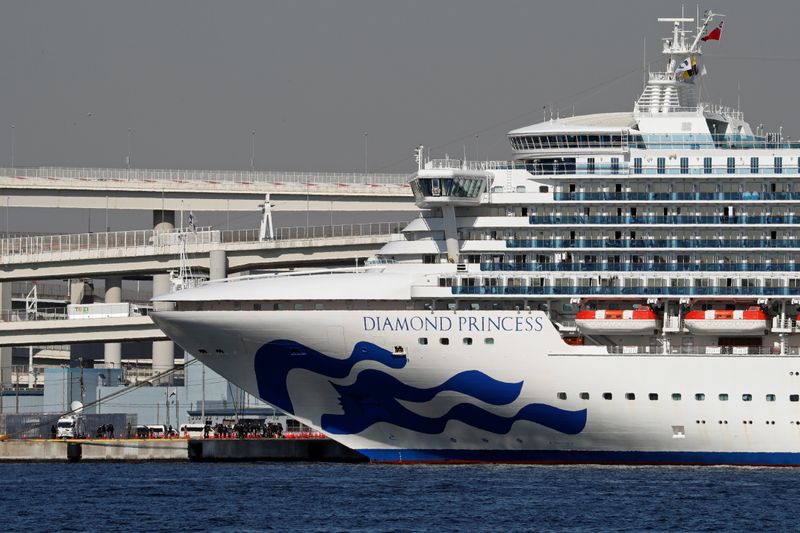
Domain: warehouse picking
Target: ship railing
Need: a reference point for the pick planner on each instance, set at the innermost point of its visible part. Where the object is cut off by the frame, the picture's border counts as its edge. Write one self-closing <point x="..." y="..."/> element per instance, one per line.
<point x="701" y="350"/>
<point x="783" y="325"/>
<point x="209" y="177"/>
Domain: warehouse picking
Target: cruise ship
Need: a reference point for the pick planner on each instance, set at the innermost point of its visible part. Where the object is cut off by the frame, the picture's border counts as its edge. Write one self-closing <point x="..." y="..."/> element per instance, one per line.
<point x="625" y="290"/>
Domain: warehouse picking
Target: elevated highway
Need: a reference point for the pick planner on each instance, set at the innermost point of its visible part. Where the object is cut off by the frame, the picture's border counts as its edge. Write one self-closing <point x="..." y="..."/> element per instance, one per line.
<point x="17" y="330"/>
<point x="202" y="190"/>
<point x="145" y="252"/>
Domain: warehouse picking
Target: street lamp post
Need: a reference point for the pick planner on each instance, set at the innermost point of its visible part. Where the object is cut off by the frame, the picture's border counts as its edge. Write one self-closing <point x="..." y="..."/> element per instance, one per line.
<point x="365" y="152"/>
<point x="128" y="159"/>
<point x="253" y="150"/>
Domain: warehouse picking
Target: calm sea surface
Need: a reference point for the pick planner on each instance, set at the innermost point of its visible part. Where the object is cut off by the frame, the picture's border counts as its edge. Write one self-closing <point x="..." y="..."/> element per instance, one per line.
<point x="329" y="497"/>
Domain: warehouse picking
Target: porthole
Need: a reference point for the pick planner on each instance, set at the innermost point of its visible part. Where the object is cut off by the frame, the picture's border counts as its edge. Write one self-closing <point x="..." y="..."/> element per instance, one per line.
<point x="723" y="397"/>
<point x="630" y="396"/>
<point x="562" y="395"/>
<point x="607" y="395"/>
<point x="653" y="396"/>
<point x="770" y="397"/>
<point x="584" y="395"/>
<point x="794" y="397"/>
<point x="676" y="396"/>
<point x="444" y="341"/>
<point x="488" y="340"/>
<point x="700" y="396"/>
<point x="423" y="340"/>
<point x="747" y="397"/>
<point x="468" y="341"/>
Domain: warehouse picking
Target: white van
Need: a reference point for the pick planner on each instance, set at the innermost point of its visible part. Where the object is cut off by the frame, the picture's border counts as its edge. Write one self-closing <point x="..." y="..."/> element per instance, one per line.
<point x="193" y="431"/>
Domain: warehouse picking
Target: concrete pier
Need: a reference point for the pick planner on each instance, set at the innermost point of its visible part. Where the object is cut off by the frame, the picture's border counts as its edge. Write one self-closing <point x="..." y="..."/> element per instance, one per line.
<point x="218" y="264"/>
<point x="5" y="353"/>
<point x="112" y="354"/>
<point x="93" y="450"/>
<point x="163" y="351"/>
<point x="324" y="450"/>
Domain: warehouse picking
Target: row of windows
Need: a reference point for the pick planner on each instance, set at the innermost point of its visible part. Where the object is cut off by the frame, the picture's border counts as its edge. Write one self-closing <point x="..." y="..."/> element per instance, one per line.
<point x="661" y="165"/>
<point x="445" y="341"/>
<point x="677" y="396"/>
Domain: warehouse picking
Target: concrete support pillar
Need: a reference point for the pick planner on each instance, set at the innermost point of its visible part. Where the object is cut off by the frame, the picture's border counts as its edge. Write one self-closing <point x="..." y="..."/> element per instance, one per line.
<point x="218" y="264"/>
<point x="450" y="232"/>
<point x="163" y="351"/>
<point x="112" y="354"/>
<point x="5" y="353"/>
<point x="80" y="292"/>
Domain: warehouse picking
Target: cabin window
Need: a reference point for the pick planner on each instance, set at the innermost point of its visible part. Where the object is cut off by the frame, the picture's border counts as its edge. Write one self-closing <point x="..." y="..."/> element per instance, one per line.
<point x="699" y="396"/>
<point x="423" y="340"/>
<point x="747" y="397"/>
<point x="630" y="396"/>
<point x="256" y="307"/>
<point x="684" y="165"/>
<point x="653" y="396"/>
<point x="319" y="306"/>
<point x="707" y="169"/>
<point x="276" y="307"/>
<point x="637" y="165"/>
<point x="753" y="165"/>
<point x="562" y="395"/>
<point x="676" y="396"/>
<point x="778" y="165"/>
<point x="731" y="165"/>
<point x="590" y="165"/>
<point x="298" y="307"/>
<point x="468" y="341"/>
<point x="544" y="188"/>
<point x="607" y="395"/>
<point x="615" y="165"/>
<point x="444" y="341"/>
<point x="794" y="397"/>
<point x="488" y="340"/>
<point x="770" y="397"/>
<point x="584" y="396"/>
<point x="723" y="397"/>
<point x="661" y="163"/>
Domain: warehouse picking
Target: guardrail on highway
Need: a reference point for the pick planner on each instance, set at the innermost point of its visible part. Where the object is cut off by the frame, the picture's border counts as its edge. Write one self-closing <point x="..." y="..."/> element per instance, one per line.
<point x="206" y="176"/>
<point x="42" y="313"/>
<point x="137" y="239"/>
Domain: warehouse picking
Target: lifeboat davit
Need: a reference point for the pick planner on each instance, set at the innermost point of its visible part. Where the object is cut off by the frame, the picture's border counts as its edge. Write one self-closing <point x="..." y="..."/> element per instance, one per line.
<point x="750" y="321"/>
<point x="640" y="321"/>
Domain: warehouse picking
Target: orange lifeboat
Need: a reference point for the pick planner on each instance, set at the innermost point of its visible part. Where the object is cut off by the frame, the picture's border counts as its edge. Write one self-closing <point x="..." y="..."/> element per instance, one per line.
<point x="750" y="321"/>
<point x="640" y="321"/>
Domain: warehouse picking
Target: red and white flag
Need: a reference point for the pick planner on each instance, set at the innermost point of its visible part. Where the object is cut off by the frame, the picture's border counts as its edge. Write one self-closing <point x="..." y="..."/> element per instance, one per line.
<point x="714" y="34"/>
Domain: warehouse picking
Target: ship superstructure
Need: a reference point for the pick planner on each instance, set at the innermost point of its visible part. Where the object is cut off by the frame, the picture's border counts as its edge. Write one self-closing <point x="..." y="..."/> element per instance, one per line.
<point x="623" y="290"/>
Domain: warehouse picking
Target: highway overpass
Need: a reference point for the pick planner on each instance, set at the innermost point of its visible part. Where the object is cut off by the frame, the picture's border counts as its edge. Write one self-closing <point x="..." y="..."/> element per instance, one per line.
<point x="202" y="190"/>
<point x="146" y="252"/>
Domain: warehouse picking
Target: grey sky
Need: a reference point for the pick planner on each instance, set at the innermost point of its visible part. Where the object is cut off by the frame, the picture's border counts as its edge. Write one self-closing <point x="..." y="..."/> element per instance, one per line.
<point x="193" y="78"/>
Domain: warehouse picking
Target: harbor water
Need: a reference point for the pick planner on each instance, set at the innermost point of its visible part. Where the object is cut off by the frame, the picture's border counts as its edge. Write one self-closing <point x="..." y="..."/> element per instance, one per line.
<point x="368" y="497"/>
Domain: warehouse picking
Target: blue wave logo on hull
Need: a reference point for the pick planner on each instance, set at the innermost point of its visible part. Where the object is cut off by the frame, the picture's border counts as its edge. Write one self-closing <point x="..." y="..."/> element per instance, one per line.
<point x="375" y="395"/>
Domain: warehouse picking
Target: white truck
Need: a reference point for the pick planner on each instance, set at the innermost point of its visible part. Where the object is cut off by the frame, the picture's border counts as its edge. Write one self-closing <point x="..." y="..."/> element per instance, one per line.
<point x="71" y="427"/>
<point x="86" y="311"/>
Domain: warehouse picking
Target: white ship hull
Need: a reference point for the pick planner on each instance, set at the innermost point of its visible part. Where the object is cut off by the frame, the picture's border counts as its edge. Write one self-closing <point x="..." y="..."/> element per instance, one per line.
<point x="337" y="372"/>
